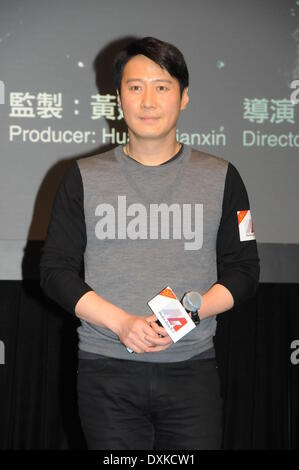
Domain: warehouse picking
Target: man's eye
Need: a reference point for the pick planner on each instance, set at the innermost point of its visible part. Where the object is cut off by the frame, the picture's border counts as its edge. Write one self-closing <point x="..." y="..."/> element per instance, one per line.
<point x="135" y="88"/>
<point x="162" y="88"/>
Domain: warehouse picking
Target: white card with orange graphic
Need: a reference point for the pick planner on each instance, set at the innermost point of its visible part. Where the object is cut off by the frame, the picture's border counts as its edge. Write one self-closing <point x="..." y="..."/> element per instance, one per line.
<point x="172" y="315"/>
<point x="245" y="224"/>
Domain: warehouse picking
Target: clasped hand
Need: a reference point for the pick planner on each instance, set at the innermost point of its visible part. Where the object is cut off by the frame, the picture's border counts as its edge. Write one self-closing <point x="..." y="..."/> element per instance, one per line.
<point x="143" y="334"/>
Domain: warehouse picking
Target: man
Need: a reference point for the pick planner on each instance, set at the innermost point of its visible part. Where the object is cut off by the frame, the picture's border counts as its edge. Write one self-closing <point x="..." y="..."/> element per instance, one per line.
<point x="115" y="210"/>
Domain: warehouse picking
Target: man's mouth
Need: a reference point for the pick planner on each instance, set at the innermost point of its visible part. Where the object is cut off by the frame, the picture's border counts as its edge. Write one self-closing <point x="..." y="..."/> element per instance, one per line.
<point x="149" y="118"/>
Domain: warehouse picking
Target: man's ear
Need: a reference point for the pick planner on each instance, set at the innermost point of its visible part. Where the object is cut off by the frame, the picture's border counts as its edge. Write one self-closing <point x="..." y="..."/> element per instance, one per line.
<point x="185" y="98"/>
<point x="118" y="98"/>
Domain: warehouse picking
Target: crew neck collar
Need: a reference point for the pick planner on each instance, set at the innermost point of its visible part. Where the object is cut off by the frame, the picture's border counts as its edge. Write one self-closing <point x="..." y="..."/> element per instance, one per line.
<point x="176" y="155"/>
<point x="127" y="161"/>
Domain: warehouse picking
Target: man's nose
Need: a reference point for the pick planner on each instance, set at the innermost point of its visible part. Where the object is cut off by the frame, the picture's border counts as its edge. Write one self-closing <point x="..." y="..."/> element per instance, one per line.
<point x="148" y="99"/>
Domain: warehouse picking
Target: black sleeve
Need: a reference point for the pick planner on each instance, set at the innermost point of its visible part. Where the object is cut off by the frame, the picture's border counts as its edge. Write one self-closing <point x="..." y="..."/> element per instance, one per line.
<point x="63" y="250"/>
<point x="237" y="261"/>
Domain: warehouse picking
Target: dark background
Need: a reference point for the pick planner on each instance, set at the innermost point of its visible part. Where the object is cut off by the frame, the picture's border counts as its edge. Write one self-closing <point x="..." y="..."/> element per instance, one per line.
<point x="260" y="385"/>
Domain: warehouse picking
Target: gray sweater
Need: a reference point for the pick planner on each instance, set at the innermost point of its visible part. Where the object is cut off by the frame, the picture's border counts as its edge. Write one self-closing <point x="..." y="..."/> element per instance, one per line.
<point x="139" y="228"/>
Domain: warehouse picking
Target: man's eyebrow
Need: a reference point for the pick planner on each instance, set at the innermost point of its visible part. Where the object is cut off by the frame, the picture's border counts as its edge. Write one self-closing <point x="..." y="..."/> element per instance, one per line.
<point x="156" y="80"/>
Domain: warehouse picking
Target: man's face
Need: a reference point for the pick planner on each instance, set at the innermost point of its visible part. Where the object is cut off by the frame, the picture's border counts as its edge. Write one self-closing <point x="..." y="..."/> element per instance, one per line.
<point x="150" y="98"/>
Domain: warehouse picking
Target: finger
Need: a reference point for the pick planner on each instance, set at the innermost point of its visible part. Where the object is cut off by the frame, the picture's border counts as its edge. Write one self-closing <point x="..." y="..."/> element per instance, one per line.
<point x="150" y="331"/>
<point x="134" y="348"/>
<point x="157" y="348"/>
<point x="148" y="342"/>
<point x="161" y="341"/>
<point x="151" y="318"/>
<point x="159" y="329"/>
<point x="139" y="346"/>
<point x="144" y="340"/>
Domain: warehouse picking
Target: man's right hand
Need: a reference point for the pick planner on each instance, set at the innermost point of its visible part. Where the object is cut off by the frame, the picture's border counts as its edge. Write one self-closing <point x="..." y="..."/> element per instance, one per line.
<point x="136" y="333"/>
<point x="141" y="334"/>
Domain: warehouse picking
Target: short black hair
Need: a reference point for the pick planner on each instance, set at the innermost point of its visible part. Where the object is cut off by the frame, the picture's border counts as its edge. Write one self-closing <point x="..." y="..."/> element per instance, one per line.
<point x="163" y="53"/>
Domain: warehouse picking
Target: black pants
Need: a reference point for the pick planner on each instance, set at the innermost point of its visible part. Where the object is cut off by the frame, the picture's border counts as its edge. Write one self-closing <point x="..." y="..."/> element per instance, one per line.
<point x="129" y="405"/>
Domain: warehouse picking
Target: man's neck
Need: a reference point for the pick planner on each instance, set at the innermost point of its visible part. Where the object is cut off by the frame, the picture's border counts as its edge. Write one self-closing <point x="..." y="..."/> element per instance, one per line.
<point x="151" y="152"/>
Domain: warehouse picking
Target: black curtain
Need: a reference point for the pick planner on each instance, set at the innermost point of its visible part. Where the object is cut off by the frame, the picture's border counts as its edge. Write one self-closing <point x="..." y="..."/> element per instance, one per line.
<point x="260" y="386"/>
